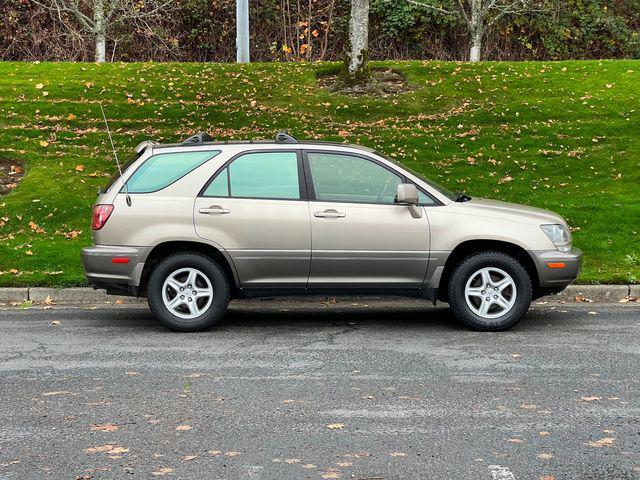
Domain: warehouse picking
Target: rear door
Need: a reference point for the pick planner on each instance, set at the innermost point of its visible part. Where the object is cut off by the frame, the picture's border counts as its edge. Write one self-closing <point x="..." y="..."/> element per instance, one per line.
<point x="360" y="236"/>
<point x="255" y="207"/>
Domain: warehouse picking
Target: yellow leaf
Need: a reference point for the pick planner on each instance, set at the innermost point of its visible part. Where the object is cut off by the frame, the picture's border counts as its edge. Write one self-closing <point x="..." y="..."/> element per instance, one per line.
<point x="79" y="168"/>
<point x="336" y="426"/>
<point x="71" y="116"/>
<point x="44" y="143"/>
<point x="39" y="86"/>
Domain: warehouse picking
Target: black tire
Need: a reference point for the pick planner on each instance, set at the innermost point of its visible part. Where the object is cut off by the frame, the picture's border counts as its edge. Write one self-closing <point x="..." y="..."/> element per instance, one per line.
<point x="472" y="264"/>
<point x="209" y="317"/>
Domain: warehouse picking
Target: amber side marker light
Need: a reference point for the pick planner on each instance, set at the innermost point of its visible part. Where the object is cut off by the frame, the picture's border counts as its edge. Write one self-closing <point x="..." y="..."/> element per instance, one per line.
<point x="556" y="265"/>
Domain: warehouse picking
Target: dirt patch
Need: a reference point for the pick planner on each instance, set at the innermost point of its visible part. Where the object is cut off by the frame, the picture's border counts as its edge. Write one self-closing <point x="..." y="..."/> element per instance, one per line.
<point x="384" y="82"/>
<point x="11" y="172"/>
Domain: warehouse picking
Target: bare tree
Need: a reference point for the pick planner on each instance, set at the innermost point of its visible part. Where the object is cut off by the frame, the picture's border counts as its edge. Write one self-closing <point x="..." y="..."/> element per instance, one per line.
<point x="478" y="16"/>
<point x="96" y="17"/>
<point x="356" y="68"/>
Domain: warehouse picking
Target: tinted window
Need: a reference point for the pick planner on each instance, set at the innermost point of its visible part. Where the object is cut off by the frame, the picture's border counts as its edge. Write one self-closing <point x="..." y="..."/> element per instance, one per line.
<point x="159" y="171"/>
<point x="345" y="178"/>
<point x="259" y="175"/>
<point x="219" y="187"/>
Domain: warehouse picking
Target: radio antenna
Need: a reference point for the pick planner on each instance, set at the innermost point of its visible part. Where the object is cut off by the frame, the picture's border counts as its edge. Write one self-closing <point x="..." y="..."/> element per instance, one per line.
<point x="115" y="154"/>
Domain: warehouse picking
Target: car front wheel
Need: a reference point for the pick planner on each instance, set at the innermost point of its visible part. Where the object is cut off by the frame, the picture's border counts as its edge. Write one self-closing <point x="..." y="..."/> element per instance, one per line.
<point x="490" y="291"/>
<point x="188" y="292"/>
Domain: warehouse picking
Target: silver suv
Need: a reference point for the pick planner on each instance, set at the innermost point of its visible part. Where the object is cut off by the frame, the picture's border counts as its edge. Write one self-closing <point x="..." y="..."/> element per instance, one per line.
<point x="190" y="226"/>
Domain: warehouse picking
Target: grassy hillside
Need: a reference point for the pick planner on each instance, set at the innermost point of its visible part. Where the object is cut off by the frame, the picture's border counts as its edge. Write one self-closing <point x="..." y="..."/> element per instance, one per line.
<point x="563" y="136"/>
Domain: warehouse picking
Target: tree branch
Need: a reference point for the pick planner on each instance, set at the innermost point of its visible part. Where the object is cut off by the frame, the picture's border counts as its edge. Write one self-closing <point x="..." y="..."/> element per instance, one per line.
<point x="433" y="7"/>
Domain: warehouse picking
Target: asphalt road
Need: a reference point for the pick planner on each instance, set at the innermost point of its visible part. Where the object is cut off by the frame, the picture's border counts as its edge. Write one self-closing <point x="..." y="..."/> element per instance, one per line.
<point x="320" y="390"/>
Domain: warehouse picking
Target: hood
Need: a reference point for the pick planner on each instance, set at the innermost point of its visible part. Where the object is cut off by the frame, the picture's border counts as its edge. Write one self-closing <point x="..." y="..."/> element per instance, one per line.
<point x="483" y="207"/>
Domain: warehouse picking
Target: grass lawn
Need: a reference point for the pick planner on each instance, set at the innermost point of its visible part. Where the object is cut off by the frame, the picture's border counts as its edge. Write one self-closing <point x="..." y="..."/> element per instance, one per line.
<point x="558" y="135"/>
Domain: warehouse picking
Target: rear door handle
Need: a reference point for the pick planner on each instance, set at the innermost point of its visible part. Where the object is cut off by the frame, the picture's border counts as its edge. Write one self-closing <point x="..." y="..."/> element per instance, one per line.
<point x="331" y="213"/>
<point x="214" y="210"/>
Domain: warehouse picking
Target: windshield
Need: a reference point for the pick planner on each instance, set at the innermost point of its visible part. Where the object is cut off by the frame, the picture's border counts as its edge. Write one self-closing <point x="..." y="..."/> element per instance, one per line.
<point x="444" y="191"/>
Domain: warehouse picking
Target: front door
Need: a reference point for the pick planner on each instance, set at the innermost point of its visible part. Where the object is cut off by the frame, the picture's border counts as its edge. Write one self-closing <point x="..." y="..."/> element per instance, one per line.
<point x="360" y="238"/>
<point x="256" y="209"/>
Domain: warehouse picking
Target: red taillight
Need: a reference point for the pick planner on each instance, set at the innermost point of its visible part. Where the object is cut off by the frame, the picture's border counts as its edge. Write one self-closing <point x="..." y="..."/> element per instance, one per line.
<point x="100" y="216"/>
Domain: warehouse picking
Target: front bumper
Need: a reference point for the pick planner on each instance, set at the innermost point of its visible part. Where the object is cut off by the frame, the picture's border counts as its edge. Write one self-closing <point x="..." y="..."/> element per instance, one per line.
<point x="120" y="277"/>
<point x="556" y="279"/>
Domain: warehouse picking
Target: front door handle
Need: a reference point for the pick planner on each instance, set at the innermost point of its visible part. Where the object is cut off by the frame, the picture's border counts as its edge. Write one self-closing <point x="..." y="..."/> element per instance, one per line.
<point x="331" y="213"/>
<point x="214" y="210"/>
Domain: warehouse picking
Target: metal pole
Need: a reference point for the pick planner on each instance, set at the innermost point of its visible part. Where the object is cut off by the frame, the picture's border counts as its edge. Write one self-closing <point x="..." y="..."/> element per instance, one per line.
<point x="242" y="32"/>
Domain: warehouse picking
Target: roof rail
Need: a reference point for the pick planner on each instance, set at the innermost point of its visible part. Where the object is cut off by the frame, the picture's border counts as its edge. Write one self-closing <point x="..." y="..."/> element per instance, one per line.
<point x="198" y="139"/>
<point x="284" y="137"/>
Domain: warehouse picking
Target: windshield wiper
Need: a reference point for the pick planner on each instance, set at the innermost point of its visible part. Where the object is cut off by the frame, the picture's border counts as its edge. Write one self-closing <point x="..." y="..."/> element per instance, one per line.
<point x="462" y="197"/>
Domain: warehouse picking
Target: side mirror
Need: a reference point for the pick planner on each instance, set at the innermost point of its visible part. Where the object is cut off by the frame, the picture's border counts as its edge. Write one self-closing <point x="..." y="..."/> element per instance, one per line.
<point x="408" y="193"/>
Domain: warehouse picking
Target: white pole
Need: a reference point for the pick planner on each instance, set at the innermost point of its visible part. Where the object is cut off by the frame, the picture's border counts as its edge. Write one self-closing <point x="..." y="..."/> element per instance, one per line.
<point x="242" y="31"/>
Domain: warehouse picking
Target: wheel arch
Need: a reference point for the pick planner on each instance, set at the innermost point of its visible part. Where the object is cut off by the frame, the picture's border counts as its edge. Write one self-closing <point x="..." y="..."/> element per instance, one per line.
<point x="163" y="250"/>
<point x="469" y="247"/>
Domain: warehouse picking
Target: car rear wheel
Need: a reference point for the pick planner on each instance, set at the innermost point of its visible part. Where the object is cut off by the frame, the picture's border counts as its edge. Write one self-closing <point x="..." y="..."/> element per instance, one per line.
<point x="188" y="292"/>
<point x="490" y="291"/>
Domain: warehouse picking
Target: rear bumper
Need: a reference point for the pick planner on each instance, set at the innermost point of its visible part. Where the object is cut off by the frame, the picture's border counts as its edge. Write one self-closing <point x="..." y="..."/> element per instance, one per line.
<point x="119" y="276"/>
<point x="567" y="267"/>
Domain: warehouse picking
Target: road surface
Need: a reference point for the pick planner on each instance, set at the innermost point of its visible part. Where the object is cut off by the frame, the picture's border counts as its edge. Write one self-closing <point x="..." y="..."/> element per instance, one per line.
<point x="320" y="390"/>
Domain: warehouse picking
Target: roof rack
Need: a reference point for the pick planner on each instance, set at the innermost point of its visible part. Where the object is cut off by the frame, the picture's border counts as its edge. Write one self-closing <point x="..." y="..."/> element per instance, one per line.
<point x="284" y="137"/>
<point x="198" y="139"/>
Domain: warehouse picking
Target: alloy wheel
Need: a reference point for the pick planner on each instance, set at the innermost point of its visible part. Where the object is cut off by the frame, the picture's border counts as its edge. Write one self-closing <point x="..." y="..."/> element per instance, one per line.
<point x="187" y="293"/>
<point x="490" y="292"/>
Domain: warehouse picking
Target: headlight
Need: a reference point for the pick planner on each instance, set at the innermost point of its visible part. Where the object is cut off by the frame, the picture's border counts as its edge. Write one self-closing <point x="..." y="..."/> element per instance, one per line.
<point x="559" y="235"/>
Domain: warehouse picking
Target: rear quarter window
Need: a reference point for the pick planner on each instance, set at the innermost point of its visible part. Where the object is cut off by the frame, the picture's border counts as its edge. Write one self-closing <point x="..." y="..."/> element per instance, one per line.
<point x="160" y="171"/>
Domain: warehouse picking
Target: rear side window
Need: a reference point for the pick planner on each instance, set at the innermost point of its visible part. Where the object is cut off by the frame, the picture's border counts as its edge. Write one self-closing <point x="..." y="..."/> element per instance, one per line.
<point x="259" y="175"/>
<point x="160" y="171"/>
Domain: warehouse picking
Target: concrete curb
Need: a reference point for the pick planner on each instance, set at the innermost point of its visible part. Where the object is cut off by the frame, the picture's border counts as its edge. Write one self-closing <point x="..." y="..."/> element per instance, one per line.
<point x="89" y="296"/>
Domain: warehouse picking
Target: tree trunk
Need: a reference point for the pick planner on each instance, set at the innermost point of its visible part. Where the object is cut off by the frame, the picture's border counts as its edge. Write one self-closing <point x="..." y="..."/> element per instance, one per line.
<point x="476" y="28"/>
<point x="356" y="69"/>
<point x="100" y="30"/>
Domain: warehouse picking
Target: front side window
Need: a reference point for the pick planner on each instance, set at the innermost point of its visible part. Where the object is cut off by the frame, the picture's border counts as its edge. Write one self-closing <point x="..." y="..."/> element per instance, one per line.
<point x="346" y="178"/>
<point x="160" y="171"/>
<point x="269" y="175"/>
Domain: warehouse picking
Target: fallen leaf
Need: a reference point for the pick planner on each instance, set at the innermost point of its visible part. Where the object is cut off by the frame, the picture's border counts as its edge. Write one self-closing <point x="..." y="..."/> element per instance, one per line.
<point x="79" y="168"/>
<point x="231" y="454"/>
<point x="163" y="471"/>
<point x="515" y="441"/>
<point x="107" y="427"/>
<point x="119" y="302"/>
<point x="109" y="448"/>
<point x="603" y="442"/>
<point x="44" y="143"/>
<point x="398" y="454"/>
<point x="60" y="392"/>
<point x="590" y="399"/>
<point x="545" y="456"/>
<point x="188" y="458"/>
<point x="336" y="426"/>
<point x="214" y="453"/>
<point x="39" y="86"/>
<point x="291" y="461"/>
<point x="544" y="434"/>
<point x="48" y="301"/>
<point x="183" y="428"/>
<point x="331" y="475"/>
<point x="55" y="323"/>
<point x="71" y="116"/>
